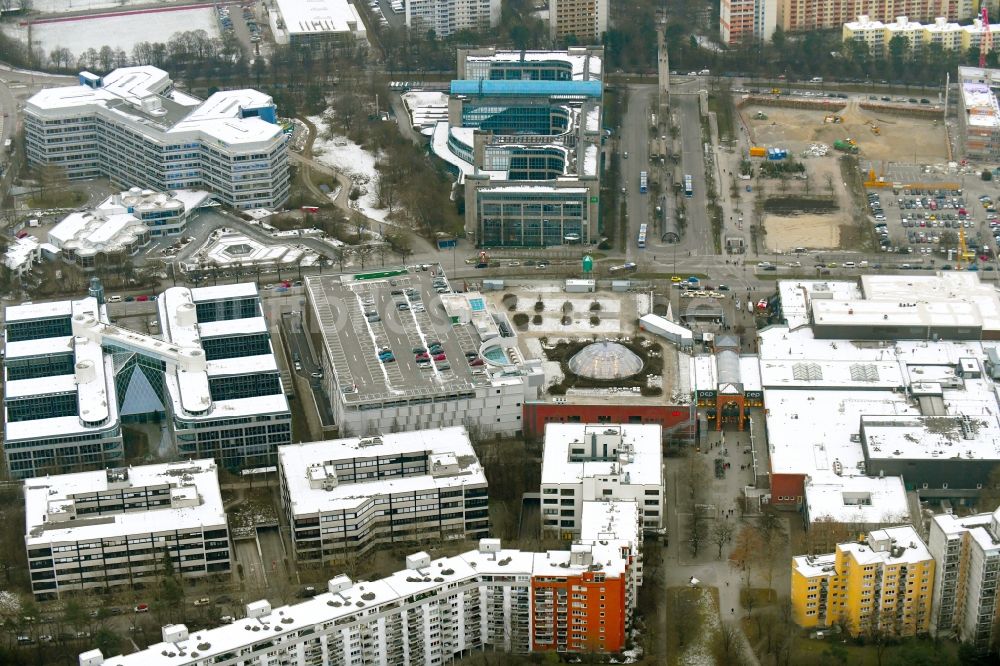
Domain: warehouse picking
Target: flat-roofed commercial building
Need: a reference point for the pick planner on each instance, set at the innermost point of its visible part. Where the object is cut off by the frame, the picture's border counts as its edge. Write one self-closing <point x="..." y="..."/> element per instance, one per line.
<point x="122" y="224"/>
<point x="600" y="462"/>
<point x="72" y="377"/>
<point x="134" y="127"/>
<point x="523" y="137"/>
<point x="979" y="112"/>
<point x="889" y="376"/>
<point x="344" y="497"/>
<point x="113" y="527"/>
<point x="316" y="24"/>
<point x="375" y="332"/>
<point x="60" y="411"/>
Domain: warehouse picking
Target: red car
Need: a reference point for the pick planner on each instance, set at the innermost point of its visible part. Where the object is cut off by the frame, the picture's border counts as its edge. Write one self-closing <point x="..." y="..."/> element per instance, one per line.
<point x="423" y="356"/>
<point x="142" y="299"/>
<point x="439" y="357"/>
<point x="476" y="361"/>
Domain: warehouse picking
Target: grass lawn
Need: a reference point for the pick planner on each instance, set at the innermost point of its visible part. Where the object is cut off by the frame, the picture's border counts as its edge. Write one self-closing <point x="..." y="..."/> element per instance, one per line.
<point x="722" y="104"/>
<point x="693" y="634"/>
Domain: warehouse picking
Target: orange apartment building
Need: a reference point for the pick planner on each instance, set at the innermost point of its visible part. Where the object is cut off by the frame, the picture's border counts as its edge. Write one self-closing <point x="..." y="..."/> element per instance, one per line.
<point x="803" y="15"/>
<point x="585" y="604"/>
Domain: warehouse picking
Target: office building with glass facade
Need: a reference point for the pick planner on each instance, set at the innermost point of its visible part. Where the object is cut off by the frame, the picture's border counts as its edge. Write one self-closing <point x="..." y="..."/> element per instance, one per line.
<point x="524" y="138"/>
<point x="114" y="527"/>
<point x="73" y="377"/>
<point x="134" y="127"/>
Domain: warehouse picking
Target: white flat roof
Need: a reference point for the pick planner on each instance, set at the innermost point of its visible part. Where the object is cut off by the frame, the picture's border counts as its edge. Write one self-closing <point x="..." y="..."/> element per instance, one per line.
<point x="978" y="526"/>
<point x="811" y="566"/>
<point x="515" y="566"/>
<point x="126" y="89"/>
<point x="905" y="537"/>
<point x="605" y="521"/>
<point x="47" y="310"/>
<point x="222" y="291"/>
<point x="858" y="500"/>
<point x="980" y="104"/>
<point x="585" y="66"/>
<point x="44" y="495"/>
<point x="930" y="437"/>
<point x="43" y="347"/>
<point x="298" y="462"/>
<point x="809" y="430"/>
<point x="319" y="16"/>
<point x="639" y="461"/>
<point x="230" y="327"/>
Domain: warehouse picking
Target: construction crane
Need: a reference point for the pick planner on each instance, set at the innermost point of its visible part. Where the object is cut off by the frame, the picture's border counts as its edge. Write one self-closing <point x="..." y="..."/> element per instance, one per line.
<point x="986" y="43"/>
<point x="963" y="255"/>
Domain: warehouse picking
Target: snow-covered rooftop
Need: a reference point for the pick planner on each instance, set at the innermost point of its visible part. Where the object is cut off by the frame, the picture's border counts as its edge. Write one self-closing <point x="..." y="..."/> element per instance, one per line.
<point x="309" y="471"/>
<point x="889" y="546"/>
<point x="858" y="500"/>
<point x="307" y="17"/>
<point x="574" y="451"/>
<point x="350" y="599"/>
<point x="981" y="527"/>
<point x="145" y="96"/>
<point x="585" y="66"/>
<point x="50" y="502"/>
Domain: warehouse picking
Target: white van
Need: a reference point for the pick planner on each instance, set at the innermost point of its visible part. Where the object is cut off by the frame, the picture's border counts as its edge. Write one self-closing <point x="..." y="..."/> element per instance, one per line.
<point x="114" y="299"/>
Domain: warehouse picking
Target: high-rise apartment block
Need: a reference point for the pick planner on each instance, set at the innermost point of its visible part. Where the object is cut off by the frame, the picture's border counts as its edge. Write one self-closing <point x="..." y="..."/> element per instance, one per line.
<point x="747" y="20"/>
<point x="134" y="127"/>
<point x="600" y="462"/>
<point x="882" y="583"/>
<point x="802" y="15"/>
<point x="966" y="552"/>
<point x="446" y="17"/>
<point x="347" y="496"/>
<point x="586" y="20"/>
<point x="102" y="529"/>
<point x="948" y="35"/>
<point x="434" y="611"/>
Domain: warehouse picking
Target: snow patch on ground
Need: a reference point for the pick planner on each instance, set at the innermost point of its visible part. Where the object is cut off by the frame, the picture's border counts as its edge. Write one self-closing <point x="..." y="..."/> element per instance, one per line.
<point x="580" y="324"/>
<point x="580" y="305"/>
<point x="355" y="162"/>
<point x="699" y="652"/>
<point x="643" y="304"/>
<point x="66" y="6"/>
<point x="118" y="32"/>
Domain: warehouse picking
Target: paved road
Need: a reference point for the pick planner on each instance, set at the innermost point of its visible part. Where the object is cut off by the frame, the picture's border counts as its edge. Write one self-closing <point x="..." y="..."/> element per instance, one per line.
<point x="635" y="141"/>
<point x="254" y="573"/>
<point x="698" y="236"/>
<point x="16" y="86"/>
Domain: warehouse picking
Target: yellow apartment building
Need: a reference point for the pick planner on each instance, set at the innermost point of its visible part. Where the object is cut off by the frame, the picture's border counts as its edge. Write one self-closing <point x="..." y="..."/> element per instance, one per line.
<point x="884" y="583"/>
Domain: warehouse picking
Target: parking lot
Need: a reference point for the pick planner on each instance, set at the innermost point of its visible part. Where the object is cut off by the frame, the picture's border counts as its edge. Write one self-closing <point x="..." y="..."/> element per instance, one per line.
<point x="392" y="334"/>
<point x="926" y="224"/>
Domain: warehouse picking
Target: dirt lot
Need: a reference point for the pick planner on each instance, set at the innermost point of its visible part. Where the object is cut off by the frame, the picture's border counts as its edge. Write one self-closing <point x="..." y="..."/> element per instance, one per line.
<point x="816" y="232"/>
<point x="795" y="129"/>
<point x="813" y="231"/>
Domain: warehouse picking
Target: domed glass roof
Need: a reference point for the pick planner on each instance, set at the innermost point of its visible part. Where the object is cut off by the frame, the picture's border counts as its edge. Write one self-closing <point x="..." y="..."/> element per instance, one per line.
<point x="605" y="360"/>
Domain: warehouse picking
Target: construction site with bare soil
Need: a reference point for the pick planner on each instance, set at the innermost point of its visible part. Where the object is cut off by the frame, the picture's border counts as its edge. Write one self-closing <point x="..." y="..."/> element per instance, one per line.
<point x="825" y="208"/>
<point x="880" y="134"/>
